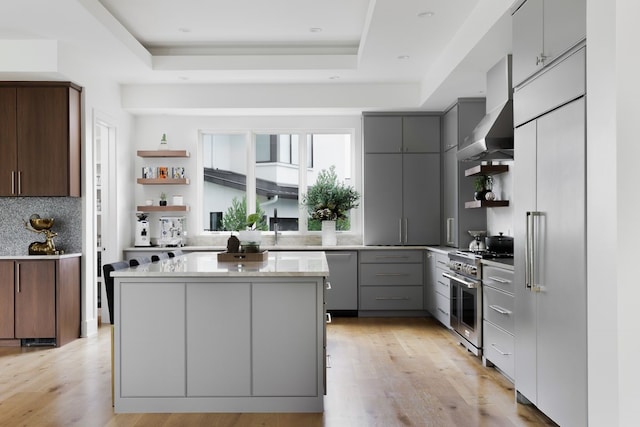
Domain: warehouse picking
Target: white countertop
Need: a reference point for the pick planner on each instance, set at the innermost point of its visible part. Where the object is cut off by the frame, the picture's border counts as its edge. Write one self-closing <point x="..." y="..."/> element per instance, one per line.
<point x="156" y="249"/>
<point x="205" y="264"/>
<point x="54" y="257"/>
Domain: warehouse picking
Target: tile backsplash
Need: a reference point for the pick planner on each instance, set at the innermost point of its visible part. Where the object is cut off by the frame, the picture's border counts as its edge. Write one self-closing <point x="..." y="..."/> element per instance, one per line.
<point x="14" y="211"/>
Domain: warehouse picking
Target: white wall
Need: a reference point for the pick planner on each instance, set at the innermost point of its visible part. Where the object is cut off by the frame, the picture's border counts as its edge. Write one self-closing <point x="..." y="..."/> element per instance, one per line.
<point x="613" y="203"/>
<point x="100" y="96"/>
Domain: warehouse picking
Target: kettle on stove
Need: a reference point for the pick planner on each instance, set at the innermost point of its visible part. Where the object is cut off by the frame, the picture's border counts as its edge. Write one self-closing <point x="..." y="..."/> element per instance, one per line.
<point x="477" y="244"/>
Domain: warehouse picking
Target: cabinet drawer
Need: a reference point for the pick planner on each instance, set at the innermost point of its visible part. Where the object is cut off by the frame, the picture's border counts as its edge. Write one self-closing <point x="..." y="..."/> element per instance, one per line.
<point x="498" y="308"/>
<point x="390" y="274"/>
<point x="442" y="307"/>
<point x="399" y="256"/>
<point x="442" y="284"/>
<point x="499" y="348"/>
<point x="498" y="278"/>
<point x="391" y="298"/>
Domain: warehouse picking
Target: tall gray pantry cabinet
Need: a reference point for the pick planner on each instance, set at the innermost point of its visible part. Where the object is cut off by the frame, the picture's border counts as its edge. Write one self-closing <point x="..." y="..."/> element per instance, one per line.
<point x="401" y="195"/>
<point x="458" y="123"/>
<point x="550" y="238"/>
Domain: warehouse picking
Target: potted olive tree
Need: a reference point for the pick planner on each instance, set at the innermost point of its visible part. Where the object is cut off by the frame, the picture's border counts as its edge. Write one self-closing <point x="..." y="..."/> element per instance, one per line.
<point x="329" y="201"/>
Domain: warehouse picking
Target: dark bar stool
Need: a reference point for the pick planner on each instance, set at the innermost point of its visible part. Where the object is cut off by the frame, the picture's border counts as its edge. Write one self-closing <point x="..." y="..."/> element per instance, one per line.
<point x="177" y="252"/>
<point x="108" y="282"/>
<point x="160" y="256"/>
<point x="134" y="262"/>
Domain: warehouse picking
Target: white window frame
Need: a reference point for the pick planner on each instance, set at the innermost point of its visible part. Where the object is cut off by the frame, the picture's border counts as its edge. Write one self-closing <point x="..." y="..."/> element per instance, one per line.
<point x="250" y="137"/>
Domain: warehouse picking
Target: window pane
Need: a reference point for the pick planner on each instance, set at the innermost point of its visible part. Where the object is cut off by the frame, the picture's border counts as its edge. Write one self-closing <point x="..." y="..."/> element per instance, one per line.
<point x="225" y="172"/>
<point x="277" y="184"/>
<point x="327" y="150"/>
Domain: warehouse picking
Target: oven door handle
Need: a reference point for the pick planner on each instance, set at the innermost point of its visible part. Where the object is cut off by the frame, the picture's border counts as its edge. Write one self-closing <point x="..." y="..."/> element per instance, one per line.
<point x="470" y="285"/>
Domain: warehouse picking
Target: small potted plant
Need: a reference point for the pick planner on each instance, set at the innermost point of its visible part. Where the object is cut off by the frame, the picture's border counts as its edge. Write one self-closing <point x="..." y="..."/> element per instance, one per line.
<point x="252" y="236"/>
<point x="482" y="185"/>
<point x="163" y="199"/>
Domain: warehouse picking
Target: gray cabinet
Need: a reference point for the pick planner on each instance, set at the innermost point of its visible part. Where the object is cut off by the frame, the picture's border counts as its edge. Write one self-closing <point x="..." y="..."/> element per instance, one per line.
<point x="401" y="197"/>
<point x="458" y="122"/>
<point x="498" y="319"/>
<point x="543" y="30"/>
<point x="343" y="276"/>
<point x="437" y="288"/>
<point x="401" y="133"/>
<point x="391" y="281"/>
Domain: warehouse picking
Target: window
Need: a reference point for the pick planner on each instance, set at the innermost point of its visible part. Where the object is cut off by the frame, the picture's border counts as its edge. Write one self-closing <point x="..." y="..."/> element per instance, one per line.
<point x="269" y="177"/>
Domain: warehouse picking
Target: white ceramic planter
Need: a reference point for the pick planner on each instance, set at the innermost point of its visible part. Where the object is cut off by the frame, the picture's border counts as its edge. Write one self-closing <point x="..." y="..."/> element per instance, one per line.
<point x="329" y="233"/>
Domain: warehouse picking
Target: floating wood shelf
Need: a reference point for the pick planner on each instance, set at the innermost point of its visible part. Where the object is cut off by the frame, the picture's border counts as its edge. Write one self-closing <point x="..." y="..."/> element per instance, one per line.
<point x="486" y="170"/>
<point x="486" y="204"/>
<point x="169" y="208"/>
<point x="163" y="181"/>
<point x="163" y="153"/>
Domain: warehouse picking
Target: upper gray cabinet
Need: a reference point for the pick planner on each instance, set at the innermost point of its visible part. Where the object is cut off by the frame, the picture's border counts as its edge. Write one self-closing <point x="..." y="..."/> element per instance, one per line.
<point x="542" y="31"/>
<point x="402" y="134"/>
<point x="458" y="122"/>
<point x="401" y="197"/>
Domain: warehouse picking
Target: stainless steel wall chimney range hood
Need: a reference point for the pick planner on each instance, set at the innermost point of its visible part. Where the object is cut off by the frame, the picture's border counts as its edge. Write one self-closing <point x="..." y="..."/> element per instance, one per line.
<point x="492" y="138"/>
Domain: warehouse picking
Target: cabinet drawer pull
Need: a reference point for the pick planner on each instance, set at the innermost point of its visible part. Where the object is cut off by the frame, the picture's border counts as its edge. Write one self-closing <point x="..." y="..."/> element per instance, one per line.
<point x="328" y="285"/>
<point x="392" y="257"/>
<point x="392" y="298"/>
<point x="495" y="347"/>
<point x="391" y="274"/>
<point x="499" y="309"/>
<point x="499" y="279"/>
<point x="328" y="362"/>
<point x="442" y="311"/>
<point x="328" y="317"/>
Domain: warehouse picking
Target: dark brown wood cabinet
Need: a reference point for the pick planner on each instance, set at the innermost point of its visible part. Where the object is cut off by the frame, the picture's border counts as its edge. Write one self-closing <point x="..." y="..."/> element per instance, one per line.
<point x="6" y="299"/>
<point x="35" y="302"/>
<point x="39" y="139"/>
<point x="40" y="299"/>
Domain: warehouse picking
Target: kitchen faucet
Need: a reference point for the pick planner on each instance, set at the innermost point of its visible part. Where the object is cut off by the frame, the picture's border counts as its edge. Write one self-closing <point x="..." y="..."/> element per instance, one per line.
<point x="275" y="226"/>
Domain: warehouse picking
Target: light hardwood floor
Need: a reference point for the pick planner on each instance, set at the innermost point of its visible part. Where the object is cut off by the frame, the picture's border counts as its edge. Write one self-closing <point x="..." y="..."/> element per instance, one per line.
<point x="384" y="372"/>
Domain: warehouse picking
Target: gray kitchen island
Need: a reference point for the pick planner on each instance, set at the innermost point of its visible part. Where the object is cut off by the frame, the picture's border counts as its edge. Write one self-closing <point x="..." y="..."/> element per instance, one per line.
<point x="193" y="334"/>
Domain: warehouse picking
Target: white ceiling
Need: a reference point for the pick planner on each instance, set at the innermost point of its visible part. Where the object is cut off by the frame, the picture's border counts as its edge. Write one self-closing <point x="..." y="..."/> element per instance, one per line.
<point x="442" y="48"/>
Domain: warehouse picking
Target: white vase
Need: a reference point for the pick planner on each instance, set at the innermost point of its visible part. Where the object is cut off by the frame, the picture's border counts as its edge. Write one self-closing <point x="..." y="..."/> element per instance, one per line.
<point x="250" y="236"/>
<point x="329" y="233"/>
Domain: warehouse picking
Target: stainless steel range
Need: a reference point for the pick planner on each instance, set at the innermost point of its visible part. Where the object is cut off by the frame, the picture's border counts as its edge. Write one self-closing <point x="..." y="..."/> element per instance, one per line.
<point x="466" y="299"/>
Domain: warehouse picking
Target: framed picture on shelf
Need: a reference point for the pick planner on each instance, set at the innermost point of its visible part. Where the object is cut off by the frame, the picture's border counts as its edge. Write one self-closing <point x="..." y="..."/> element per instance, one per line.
<point x="147" y="172"/>
<point x="163" y="172"/>
<point x="178" y="173"/>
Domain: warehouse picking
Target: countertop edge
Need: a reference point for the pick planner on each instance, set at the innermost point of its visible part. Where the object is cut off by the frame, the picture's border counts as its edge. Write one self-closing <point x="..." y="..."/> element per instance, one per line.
<point x="51" y="257"/>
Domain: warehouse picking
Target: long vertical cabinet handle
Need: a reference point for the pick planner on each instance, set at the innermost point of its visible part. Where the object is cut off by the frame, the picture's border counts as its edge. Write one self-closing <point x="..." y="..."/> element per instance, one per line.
<point x="406" y="230"/>
<point x="450" y="231"/>
<point x="400" y="230"/>
<point x="13" y="182"/>
<point x="19" y="182"/>
<point x="530" y="251"/>
<point x="18" y="277"/>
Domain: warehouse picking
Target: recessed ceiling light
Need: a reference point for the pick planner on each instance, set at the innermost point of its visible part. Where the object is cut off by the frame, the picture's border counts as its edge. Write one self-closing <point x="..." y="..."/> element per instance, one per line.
<point x="334" y="77"/>
<point x="403" y="57"/>
<point x="315" y="29"/>
<point x="183" y="78"/>
<point x="184" y="30"/>
<point x="428" y="14"/>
